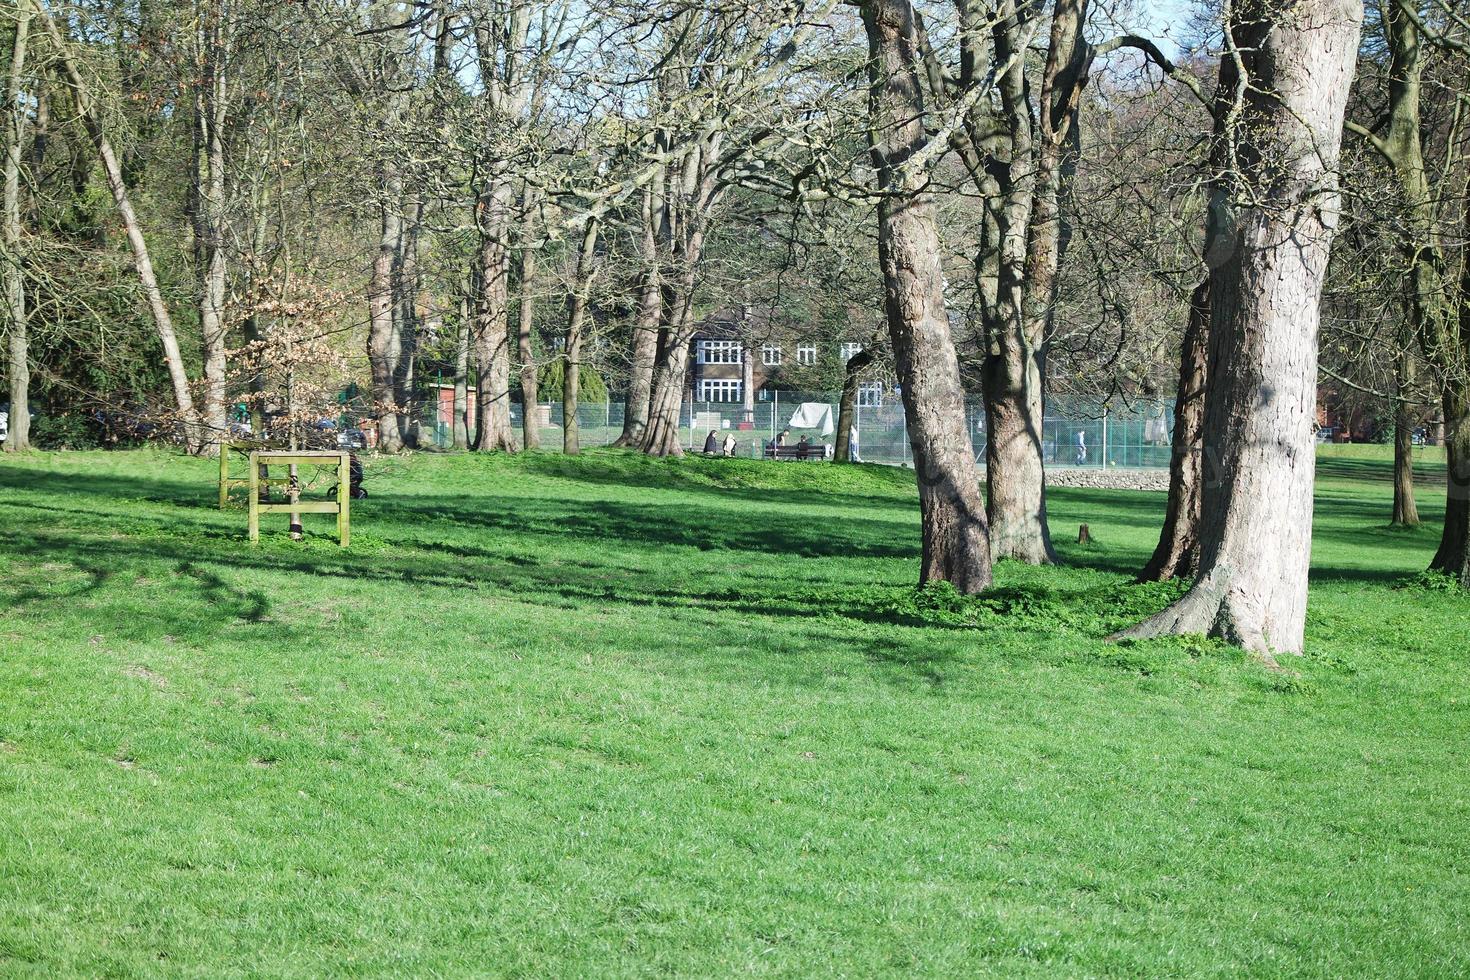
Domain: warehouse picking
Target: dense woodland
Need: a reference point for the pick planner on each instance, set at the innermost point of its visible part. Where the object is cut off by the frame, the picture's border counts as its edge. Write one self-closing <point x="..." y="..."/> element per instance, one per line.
<point x="1257" y="210"/>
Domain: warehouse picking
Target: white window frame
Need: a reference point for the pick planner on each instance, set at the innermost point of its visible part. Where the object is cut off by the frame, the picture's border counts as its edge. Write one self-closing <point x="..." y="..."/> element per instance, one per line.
<point x="847" y="351"/>
<point x="723" y="390"/>
<point x="870" y="394"/>
<point x="806" y="354"/>
<point x="771" y="355"/>
<point x="719" y="352"/>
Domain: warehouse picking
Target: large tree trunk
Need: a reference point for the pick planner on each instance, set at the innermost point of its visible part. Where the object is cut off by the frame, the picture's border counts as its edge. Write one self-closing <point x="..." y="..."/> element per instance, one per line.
<point x="492" y="334"/>
<point x="1015" y="475"/>
<point x="956" y="546"/>
<point x="460" y="422"/>
<point x="1260" y="404"/>
<point x="644" y="352"/>
<point x="1405" y="510"/>
<point x="19" y="367"/>
<point x="576" y="315"/>
<point x="1177" y="553"/>
<point x="661" y="436"/>
<point x="1453" y="554"/>
<point x="525" y="325"/>
<point x="1034" y="241"/>
<point x="209" y="219"/>
<point x="188" y="416"/>
<point x="383" y="340"/>
<point x="847" y="403"/>
<point x="406" y="326"/>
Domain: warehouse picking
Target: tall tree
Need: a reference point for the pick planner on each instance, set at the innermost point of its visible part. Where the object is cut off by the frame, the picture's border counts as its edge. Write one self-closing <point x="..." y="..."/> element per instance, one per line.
<point x="92" y="119"/>
<point x="19" y="368"/>
<point x="211" y="64"/>
<point x="1177" y="553"/>
<point x="1437" y="313"/>
<point x="956" y="546"/>
<point x="643" y="347"/>
<point x="584" y="271"/>
<point x="1290" y="64"/>
<point x="526" y="320"/>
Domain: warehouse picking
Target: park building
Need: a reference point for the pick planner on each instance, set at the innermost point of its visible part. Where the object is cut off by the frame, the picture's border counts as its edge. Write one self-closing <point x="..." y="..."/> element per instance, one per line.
<point x="731" y="364"/>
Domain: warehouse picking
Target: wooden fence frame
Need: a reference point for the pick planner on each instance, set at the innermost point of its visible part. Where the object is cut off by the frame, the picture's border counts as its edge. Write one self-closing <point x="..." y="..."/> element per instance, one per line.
<point x="298" y="457"/>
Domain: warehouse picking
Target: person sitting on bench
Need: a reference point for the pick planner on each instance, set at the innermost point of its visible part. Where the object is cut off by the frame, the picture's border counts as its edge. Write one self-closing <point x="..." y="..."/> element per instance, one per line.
<point x="803" y="448"/>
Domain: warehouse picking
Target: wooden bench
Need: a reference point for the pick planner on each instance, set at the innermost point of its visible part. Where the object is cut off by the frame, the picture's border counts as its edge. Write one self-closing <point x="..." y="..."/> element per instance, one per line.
<point x="815" y="452"/>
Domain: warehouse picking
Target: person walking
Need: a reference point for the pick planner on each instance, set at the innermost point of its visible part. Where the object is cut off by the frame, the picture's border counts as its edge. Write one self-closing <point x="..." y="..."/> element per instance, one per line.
<point x="711" y="445"/>
<point x="727" y="448"/>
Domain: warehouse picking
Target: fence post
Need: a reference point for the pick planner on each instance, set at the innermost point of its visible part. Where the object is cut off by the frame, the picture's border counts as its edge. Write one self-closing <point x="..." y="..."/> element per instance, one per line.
<point x="1104" y="460"/>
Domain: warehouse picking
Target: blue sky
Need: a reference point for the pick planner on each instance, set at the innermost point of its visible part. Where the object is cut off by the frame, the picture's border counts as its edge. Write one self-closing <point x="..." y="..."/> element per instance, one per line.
<point x="1164" y="21"/>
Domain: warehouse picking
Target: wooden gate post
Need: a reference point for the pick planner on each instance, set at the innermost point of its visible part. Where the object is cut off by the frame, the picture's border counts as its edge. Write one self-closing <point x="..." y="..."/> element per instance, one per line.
<point x="224" y="474"/>
<point x="344" y="495"/>
<point x="254" y="500"/>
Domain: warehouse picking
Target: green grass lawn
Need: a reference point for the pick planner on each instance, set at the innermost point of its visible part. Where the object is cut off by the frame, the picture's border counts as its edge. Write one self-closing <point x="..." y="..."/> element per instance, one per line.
<point x="614" y="716"/>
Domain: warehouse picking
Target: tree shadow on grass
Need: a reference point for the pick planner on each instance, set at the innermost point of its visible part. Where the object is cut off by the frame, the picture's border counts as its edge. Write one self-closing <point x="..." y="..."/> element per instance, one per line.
<point x="891" y="486"/>
<point x="1426" y="472"/>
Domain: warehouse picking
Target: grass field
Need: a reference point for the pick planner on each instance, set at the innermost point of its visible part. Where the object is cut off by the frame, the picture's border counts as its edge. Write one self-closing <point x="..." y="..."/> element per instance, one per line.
<point x="615" y="716"/>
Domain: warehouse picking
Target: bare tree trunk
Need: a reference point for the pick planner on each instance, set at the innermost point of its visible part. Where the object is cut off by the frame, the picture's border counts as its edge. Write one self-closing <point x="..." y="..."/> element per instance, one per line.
<point x="576" y="314"/>
<point x="492" y="334"/>
<point x="142" y="262"/>
<point x="1405" y="509"/>
<point x="383" y="340"/>
<point x="645" y="333"/>
<point x="1015" y="474"/>
<point x="19" y="368"/>
<point x="644" y="352"/>
<point x="1177" y="553"/>
<point x="406" y="325"/>
<point x="526" y="321"/>
<point x="1453" y="554"/>
<point x="209" y="218"/>
<point x="956" y="545"/>
<point x="661" y="436"/>
<point x="1031" y="240"/>
<point x="461" y="428"/>
<point x="1260" y="404"/>
<point x="847" y="402"/>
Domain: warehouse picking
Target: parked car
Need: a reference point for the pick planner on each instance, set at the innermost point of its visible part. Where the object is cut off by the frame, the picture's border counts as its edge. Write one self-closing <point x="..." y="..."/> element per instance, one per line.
<point x="352" y="439"/>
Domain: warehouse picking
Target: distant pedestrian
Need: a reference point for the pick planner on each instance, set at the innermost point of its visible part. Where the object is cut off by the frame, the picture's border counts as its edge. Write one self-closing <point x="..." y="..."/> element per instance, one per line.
<point x="852" y="446"/>
<point x="727" y="448"/>
<point x="711" y="444"/>
<point x="1081" y="447"/>
<point x="781" y="439"/>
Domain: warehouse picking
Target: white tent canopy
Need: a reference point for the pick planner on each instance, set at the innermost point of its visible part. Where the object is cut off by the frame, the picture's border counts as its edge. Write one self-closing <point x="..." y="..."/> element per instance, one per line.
<point x="813" y="415"/>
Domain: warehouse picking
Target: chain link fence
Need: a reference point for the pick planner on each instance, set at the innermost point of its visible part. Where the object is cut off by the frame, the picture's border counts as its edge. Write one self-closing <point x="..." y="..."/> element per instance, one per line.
<point x="1138" y="437"/>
